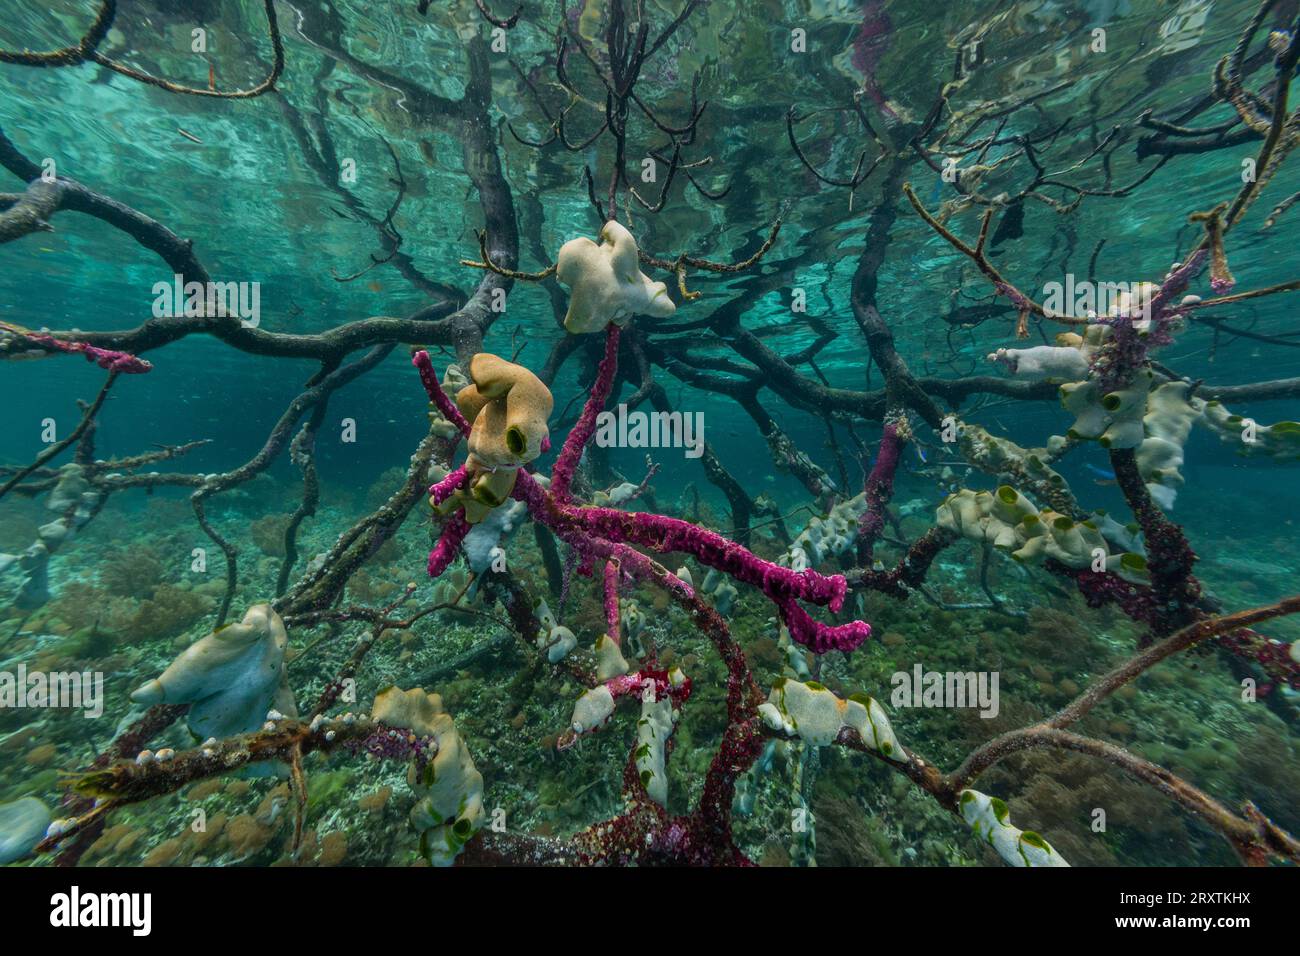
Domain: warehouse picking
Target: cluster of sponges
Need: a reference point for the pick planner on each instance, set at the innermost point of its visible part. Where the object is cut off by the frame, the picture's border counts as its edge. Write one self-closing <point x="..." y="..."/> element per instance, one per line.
<point x="816" y="716"/>
<point x="826" y="537"/>
<point x="1025" y="467"/>
<point x="596" y="705"/>
<point x="991" y="821"/>
<point x="606" y="283"/>
<point x="1009" y="521"/>
<point x="1112" y="419"/>
<point x="1153" y="419"/>
<point x="1156" y="420"/>
<point x="1170" y="414"/>
<point x="557" y="641"/>
<point x="231" y="678"/>
<point x="653" y="729"/>
<point x="507" y="407"/>
<point x="1280" y="440"/>
<point x="449" y="809"/>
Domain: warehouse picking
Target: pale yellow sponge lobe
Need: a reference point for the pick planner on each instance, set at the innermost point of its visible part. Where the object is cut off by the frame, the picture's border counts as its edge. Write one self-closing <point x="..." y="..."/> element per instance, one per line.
<point x="606" y="283"/>
<point x="508" y="408"/>
<point x="415" y="710"/>
<point x="449" y="809"/>
<point x="610" y="661"/>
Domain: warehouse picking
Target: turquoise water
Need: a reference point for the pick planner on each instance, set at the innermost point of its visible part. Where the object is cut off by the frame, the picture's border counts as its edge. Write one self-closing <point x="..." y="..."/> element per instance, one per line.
<point x="264" y="189"/>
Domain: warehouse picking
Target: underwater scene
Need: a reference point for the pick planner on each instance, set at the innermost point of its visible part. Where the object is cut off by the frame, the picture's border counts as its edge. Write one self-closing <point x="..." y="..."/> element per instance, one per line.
<point x="790" y="433"/>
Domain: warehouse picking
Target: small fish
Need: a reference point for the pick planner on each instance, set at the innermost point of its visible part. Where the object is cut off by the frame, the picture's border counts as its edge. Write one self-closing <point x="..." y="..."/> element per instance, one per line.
<point x="212" y="77"/>
<point x="921" y="455"/>
<point x="1103" y="472"/>
<point x="190" y="136"/>
<point x="374" y="286"/>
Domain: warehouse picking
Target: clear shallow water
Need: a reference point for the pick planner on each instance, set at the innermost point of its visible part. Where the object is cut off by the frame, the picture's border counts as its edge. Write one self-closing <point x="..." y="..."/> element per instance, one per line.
<point x="257" y="210"/>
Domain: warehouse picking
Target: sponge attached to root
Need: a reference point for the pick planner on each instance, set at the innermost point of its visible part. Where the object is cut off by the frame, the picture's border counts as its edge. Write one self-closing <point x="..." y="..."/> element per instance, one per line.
<point x="606" y="283"/>
<point x="231" y="678"/>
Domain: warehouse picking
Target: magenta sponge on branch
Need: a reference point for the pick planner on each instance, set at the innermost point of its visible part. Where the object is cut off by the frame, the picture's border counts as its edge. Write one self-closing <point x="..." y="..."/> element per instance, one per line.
<point x="595" y="532"/>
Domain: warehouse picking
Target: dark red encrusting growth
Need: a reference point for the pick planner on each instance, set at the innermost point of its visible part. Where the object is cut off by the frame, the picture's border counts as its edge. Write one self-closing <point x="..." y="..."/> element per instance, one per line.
<point x="1174" y="599"/>
<point x="391" y="743"/>
<point x="1128" y="349"/>
<point x="1170" y="558"/>
<point x="1273" y="657"/>
<point x="879" y="489"/>
<point x="1137" y="601"/>
<point x="909" y="574"/>
<point x="645" y="833"/>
